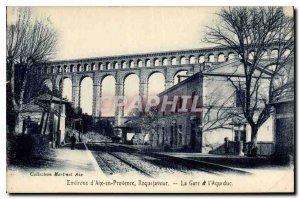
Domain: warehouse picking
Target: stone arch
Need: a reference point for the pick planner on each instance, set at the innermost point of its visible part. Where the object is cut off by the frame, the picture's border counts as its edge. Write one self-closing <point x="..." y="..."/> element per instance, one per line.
<point x="82" y="76"/>
<point x="123" y="64"/>
<point x="80" y="67"/>
<point x="139" y="63"/>
<point x="67" y="68"/>
<point x="131" y="83"/>
<point x="164" y="61"/>
<point x="221" y="57"/>
<point x="251" y="54"/>
<point x="108" y="65"/>
<point x="75" y="68"/>
<point x="173" y="61"/>
<point x="211" y="58"/>
<point x="156" y="62"/>
<point x="59" y="78"/>
<point x="67" y="90"/>
<point x="86" y="90"/>
<point x="53" y="69"/>
<point x="178" y="73"/>
<point x="182" y="60"/>
<point x="49" y="70"/>
<point x="201" y="59"/>
<point x="106" y="74"/>
<point x="128" y="73"/>
<point x="156" y="82"/>
<point x="274" y="53"/>
<point x="86" y="67"/>
<point x="131" y="64"/>
<point x="231" y="55"/>
<point x="108" y="91"/>
<point x="93" y="66"/>
<point x="48" y="83"/>
<point x="192" y="59"/>
<point x="59" y="68"/>
<point x="72" y="68"/>
<point x="147" y="63"/>
<point x="115" y="65"/>
<point x="100" y="66"/>
<point x="149" y="74"/>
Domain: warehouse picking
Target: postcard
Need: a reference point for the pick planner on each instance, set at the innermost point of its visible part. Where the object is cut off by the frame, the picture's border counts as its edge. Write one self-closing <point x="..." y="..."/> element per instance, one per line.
<point x="150" y="100"/>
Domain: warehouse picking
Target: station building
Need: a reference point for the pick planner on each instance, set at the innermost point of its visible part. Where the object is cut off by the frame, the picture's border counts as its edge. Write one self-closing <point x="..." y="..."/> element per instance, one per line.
<point x="205" y="130"/>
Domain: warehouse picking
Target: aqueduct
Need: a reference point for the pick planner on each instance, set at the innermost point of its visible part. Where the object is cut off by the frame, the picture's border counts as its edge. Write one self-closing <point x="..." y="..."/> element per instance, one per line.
<point x="143" y="65"/>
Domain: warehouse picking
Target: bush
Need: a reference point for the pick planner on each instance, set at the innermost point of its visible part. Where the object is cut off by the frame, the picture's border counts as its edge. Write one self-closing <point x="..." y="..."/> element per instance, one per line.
<point x="26" y="148"/>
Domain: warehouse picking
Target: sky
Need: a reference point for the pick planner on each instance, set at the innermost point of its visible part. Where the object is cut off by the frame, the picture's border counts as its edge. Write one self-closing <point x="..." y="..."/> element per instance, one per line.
<point x="105" y="31"/>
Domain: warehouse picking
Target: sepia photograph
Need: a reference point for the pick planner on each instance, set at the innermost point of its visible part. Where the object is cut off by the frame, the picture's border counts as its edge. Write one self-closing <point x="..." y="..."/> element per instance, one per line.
<point x="183" y="99"/>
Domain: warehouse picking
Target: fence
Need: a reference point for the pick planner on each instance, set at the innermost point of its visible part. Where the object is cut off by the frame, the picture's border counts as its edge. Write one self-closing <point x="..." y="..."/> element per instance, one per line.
<point x="263" y="148"/>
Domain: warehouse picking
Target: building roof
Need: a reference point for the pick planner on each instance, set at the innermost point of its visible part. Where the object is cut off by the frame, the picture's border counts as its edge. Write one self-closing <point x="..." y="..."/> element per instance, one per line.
<point x="128" y="124"/>
<point x="179" y="84"/>
<point x="284" y="94"/>
<point x="32" y="107"/>
<point x="47" y="97"/>
<point x="40" y="104"/>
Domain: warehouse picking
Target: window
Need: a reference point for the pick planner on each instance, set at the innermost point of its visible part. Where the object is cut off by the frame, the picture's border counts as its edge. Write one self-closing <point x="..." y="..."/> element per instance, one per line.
<point x="163" y="135"/>
<point x="180" y="136"/>
<point x="180" y="128"/>
<point x="240" y="98"/>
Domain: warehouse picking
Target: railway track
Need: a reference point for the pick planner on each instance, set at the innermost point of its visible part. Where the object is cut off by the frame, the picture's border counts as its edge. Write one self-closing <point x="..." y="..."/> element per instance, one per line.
<point x="182" y="165"/>
<point x="142" y="171"/>
<point x="208" y="167"/>
<point x="126" y="162"/>
<point x="144" y="156"/>
<point x="107" y="165"/>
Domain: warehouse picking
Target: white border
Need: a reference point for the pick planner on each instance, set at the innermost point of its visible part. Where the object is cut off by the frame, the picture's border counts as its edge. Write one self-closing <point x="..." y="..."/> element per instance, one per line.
<point x="5" y="3"/>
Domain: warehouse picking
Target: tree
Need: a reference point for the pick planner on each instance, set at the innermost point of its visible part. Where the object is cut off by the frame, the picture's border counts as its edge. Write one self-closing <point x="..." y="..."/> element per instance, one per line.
<point x="147" y="121"/>
<point x="29" y="42"/>
<point x="249" y="32"/>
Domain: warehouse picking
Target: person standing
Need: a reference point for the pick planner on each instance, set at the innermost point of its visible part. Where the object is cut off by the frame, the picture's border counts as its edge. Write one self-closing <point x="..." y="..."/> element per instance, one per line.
<point x="73" y="141"/>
